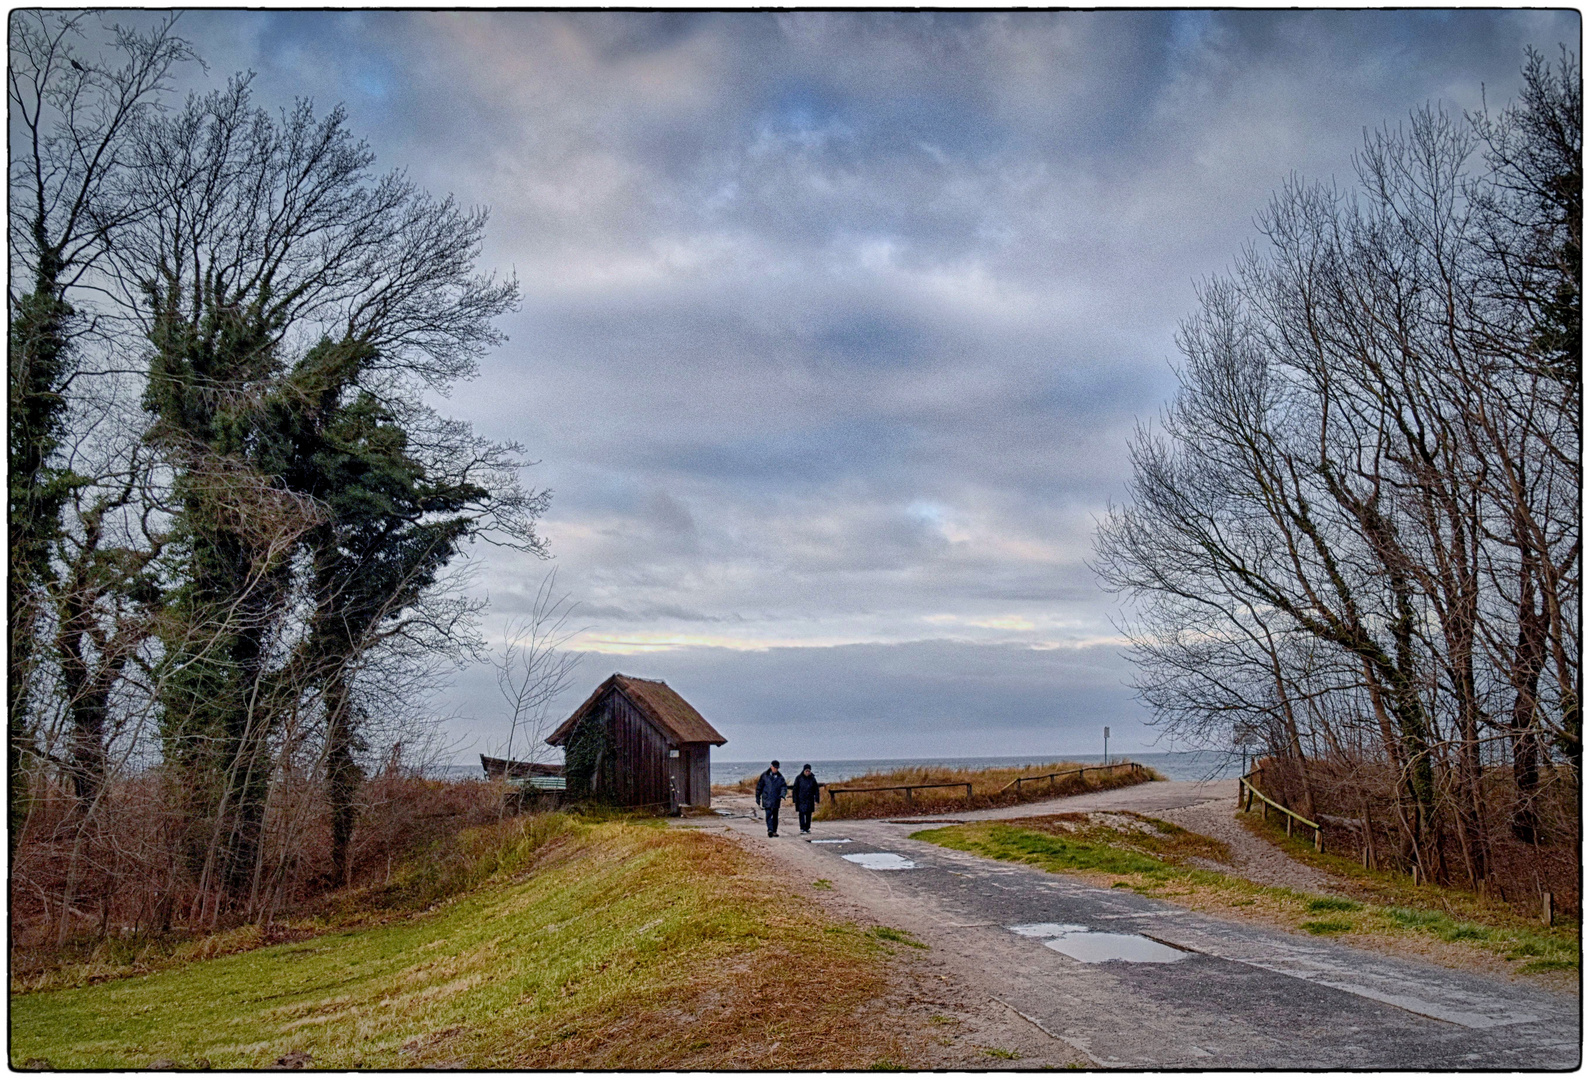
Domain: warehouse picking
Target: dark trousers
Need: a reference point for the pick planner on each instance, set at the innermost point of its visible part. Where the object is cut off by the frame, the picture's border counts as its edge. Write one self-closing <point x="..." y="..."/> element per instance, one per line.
<point x="806" y="820"/>
<point x="772" y="819"/>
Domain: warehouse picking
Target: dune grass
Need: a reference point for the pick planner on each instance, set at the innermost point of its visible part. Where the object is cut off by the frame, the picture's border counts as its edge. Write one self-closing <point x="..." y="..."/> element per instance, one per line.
<point x="614" y="944"/>
<point x="990" y="788"/>
<point x="1159" y="859"/>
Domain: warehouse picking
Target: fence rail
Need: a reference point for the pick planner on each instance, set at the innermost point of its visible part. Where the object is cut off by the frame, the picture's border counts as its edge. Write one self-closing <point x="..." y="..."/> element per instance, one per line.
<point x="1016" y="783"/>
<point x="1246" y="793"/>
<point x="834" y="792"/>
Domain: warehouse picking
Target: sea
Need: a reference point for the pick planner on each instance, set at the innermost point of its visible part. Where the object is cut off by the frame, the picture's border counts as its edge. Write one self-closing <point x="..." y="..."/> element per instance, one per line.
<point x="1173" y="765"/>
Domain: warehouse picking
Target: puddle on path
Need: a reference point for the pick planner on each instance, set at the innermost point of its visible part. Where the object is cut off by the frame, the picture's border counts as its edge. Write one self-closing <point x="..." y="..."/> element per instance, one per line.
<point x="880" y="860"/>
<point x="1048" y="929"/>
<point x="846" y="840"/>
<point x="1092" y="947"/>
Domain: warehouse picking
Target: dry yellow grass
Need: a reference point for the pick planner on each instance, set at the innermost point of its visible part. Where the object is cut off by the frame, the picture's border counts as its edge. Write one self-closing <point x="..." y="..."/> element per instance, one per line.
<point x="990" y="788"/>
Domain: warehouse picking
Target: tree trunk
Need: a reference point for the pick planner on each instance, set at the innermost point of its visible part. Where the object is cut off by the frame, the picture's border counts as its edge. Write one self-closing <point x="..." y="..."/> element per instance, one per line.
<point x="343" y="776"/>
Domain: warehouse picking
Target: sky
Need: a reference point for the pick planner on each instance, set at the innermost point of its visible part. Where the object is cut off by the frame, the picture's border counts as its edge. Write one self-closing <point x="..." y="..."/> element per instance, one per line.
<point x="835" y="325"/>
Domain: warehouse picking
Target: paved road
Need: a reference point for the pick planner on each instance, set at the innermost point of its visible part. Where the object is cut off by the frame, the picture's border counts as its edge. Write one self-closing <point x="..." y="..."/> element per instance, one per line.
<point x="1236" y="996"/>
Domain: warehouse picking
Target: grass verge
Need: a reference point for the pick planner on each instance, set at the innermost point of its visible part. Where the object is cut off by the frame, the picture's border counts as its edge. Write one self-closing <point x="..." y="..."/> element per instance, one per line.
<point x="1389" y="888"/>
<point x="597" y="945"/>
<point x="1156" y="858"/>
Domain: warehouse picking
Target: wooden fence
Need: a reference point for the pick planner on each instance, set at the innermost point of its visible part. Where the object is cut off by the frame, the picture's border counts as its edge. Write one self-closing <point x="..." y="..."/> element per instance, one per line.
<point x="1016" y="783"/>
<point x="833" y="792"/>
<point x="1246" y="793"/>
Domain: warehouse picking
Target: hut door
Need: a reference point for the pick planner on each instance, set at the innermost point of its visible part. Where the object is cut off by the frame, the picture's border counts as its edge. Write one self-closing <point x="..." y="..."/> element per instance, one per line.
<point x="679" y="769"/>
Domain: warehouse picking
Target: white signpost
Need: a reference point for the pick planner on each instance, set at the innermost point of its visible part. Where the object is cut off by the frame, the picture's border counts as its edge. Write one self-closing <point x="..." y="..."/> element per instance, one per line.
<point x="1106" y="744"/>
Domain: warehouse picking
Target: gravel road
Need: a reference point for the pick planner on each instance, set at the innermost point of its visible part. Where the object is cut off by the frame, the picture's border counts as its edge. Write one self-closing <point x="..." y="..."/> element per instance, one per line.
<point x="1204" y="992"/>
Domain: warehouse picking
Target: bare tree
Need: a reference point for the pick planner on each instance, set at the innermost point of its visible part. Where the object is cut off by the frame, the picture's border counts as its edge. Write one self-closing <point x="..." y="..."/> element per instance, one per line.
<point x="1363" y="511"/>
<point x="296" y="309"/>
<point x="535" y="667"/>
<point x="73" y="111"/>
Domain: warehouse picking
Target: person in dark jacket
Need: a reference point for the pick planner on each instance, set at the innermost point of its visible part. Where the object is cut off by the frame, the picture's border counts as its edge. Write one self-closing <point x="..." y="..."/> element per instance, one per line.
<point x="805" y="788"/>
<point x="770" y="789"/>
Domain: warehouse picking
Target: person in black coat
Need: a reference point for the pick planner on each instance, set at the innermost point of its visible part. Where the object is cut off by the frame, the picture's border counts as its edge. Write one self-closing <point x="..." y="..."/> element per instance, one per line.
<point x="806" y="793"/>
<point x="770" y="789"/>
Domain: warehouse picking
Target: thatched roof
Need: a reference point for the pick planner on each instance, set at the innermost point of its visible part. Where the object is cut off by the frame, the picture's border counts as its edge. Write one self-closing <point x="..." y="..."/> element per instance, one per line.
<point x="657" y="702"/>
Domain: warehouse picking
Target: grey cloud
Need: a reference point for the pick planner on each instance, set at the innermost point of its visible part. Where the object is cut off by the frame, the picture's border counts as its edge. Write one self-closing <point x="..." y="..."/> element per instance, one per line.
<point x="903" y="700"/>
<point x="836" y="323"/>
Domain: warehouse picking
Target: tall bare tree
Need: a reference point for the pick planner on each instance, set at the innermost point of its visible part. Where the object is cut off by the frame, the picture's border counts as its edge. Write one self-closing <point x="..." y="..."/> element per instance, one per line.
<point x="1374" y="451"/>
<point x="73" y="111"/>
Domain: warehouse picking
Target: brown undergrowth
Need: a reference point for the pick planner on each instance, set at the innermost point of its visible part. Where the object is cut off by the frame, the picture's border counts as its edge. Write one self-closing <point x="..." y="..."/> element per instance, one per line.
<point x="1397" y="889"/>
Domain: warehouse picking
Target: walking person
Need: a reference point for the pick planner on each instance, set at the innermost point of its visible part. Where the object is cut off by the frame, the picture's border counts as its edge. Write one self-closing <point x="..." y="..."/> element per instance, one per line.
<point x="805" y="789"/>
<point x="770" y="789"/>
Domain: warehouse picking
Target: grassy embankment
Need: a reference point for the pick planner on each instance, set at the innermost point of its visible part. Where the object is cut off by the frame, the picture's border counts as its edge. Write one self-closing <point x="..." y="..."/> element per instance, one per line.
<point x="567" y="944"/>
<point x="1156" y="858"/>
<point x="990" y="788"/>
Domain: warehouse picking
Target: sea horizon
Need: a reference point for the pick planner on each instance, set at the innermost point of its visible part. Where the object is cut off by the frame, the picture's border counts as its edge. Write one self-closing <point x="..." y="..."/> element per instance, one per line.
<point x="1173" y="764"/>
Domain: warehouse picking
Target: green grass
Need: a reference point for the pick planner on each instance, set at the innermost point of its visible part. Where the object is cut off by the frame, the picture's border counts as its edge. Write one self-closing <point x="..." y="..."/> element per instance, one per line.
<point x="1052" y="853"/>
<point x="1006" y="1055"/>
<point x="1415" y="918"/>
<point x="1153" y="862"/>
<point x="899" y="937"/>
<point x="579" y="963"/>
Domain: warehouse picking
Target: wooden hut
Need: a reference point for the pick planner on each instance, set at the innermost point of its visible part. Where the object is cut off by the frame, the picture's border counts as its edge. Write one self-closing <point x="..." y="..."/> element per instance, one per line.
<point x="653" y="748"/>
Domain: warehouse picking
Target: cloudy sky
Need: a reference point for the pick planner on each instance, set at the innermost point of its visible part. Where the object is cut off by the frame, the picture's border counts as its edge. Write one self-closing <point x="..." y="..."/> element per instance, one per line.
<point x="835" y="325"/>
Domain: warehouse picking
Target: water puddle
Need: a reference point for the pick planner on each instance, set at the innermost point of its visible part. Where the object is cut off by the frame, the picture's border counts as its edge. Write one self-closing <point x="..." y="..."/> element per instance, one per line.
<point x="846" y="840"/>
<point x="880" y="860"/>
<point x="1093" y="947"/>
<point x="1048" y="929"/>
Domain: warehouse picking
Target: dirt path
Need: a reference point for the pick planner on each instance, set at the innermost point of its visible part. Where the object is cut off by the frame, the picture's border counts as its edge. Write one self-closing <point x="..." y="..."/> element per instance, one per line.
<point x="1204" y="806"/>
<point x="942" y="1005"/>
<point x="1251" y="856"/>
<point x="1219" y="994"/>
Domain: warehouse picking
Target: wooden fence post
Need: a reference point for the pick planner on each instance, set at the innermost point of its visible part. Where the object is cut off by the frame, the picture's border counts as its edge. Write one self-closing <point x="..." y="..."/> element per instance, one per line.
<point x="1319" y="840"/>
<point x="1545" y="908"/>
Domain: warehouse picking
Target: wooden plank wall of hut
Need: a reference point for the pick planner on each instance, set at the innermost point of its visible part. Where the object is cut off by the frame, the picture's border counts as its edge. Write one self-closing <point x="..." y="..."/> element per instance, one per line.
<point x="640" y="775"/>
<point x="700" y="774"/>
